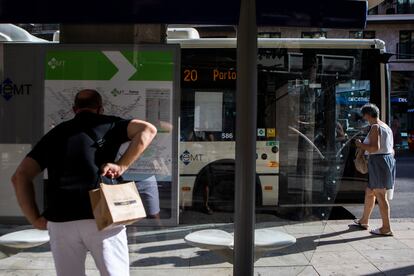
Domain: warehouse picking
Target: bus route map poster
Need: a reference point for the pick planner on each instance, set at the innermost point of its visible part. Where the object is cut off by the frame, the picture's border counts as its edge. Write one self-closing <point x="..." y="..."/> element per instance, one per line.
<point x="133" y="84"/>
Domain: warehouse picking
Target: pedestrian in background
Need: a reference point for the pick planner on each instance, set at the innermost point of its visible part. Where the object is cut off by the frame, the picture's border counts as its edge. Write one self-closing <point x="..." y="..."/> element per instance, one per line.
<point x="76" y="153"/>
<point x="379" y="145"/>
<point x="396" y="130"/>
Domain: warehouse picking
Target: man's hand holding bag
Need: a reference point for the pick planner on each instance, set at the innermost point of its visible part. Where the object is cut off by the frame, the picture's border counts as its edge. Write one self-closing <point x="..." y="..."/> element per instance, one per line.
<point x="117" y="204"/>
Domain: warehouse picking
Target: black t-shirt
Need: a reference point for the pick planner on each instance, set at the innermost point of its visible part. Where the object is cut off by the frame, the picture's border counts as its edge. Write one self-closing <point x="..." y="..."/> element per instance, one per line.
<point x="73" y="158"/>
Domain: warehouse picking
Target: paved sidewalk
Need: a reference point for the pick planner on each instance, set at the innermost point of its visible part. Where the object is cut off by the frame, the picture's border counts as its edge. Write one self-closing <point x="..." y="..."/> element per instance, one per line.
<point x="331" y="248"/>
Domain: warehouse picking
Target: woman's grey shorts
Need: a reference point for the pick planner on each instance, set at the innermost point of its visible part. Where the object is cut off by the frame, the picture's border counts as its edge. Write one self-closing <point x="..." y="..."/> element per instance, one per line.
<point x="381" y="171"/>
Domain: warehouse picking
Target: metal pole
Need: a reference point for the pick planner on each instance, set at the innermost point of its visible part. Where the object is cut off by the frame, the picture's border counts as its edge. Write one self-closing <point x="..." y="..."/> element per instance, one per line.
<point x="246" y="107"/>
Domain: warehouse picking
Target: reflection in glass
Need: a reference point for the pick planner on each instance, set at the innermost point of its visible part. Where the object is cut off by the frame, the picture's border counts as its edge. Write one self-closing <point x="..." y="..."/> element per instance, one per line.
<point x="308" y="115"/>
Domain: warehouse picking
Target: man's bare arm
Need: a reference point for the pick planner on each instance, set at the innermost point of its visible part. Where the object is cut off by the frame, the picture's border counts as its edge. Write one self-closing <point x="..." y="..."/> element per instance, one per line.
<point x="141" y="134"/>
<point x="23" y="186"/>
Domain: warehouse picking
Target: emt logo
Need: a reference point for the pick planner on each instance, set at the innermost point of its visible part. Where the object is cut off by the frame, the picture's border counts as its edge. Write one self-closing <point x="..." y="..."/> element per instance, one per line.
<point x="8" y="89"/>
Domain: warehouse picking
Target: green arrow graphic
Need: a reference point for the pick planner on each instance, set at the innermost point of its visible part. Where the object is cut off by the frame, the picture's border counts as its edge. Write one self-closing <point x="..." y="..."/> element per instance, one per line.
<point x="151" y="65"/>
<point x="79" y="65"/>
<point x="95" y="65"/>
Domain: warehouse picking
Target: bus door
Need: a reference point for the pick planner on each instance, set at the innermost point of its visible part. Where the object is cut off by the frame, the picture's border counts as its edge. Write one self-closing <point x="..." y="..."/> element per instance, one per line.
<point x="317" y="118"/>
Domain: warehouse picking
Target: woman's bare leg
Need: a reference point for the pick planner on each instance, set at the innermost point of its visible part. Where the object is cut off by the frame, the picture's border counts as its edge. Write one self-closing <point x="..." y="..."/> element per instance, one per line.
<point x="384" y="207"/>
<point x="369" y="204"/>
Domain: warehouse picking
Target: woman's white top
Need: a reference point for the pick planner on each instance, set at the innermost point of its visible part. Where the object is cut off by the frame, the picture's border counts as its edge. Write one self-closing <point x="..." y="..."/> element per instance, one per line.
<point x="386" y="140"/>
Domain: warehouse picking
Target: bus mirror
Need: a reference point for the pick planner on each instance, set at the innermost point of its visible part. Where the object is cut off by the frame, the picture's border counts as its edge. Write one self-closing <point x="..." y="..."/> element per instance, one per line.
<point x="385" y="57"/>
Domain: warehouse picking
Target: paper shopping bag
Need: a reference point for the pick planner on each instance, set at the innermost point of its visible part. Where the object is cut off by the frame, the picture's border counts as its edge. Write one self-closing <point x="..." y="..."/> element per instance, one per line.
<point x="118" y="204"/>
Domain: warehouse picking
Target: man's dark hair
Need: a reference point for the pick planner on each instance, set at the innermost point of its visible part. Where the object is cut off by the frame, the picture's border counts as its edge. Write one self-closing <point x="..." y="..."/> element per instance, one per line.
<point x="370" y="109"/>
<point x="88" y="98"/>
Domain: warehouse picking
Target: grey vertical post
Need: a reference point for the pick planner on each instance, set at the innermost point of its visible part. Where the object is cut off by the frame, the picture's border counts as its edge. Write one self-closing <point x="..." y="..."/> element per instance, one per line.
<point x="246" y="107"/>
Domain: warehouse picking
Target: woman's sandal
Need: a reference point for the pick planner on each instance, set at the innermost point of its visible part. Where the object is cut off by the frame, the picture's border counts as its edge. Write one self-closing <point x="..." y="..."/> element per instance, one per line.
<point x="379" y="233"/>
<point x="360" y="225"/>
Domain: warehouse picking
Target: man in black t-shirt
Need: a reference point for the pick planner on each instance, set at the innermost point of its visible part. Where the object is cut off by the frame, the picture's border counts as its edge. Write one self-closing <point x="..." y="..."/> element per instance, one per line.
<point x="76" y="153"/>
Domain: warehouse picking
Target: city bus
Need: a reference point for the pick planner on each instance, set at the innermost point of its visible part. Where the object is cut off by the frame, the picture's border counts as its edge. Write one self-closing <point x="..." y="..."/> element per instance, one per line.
<point x="309" y="95"/>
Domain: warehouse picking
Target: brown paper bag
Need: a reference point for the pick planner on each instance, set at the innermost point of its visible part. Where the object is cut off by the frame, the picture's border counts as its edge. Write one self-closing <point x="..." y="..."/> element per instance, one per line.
<point x="118" y="204"/>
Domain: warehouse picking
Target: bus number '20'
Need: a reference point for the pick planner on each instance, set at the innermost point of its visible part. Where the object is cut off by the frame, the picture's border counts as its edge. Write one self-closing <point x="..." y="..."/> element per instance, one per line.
<point x="190" y="75"/>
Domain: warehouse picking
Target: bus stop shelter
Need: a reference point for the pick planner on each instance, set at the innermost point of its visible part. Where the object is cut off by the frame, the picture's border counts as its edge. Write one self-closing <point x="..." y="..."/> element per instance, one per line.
<point x="246" y="15"/>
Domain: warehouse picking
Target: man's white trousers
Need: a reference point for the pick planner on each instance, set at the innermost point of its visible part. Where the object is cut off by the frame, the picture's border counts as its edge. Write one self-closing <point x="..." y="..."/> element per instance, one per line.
<point x="70" y="241"/>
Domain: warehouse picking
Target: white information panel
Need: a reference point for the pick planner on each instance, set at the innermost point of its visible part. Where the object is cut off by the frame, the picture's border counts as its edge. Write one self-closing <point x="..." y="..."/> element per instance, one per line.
<point x="134" y="83"/>
<point x="208" y="111"/>
<point x="10" y="157"/>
